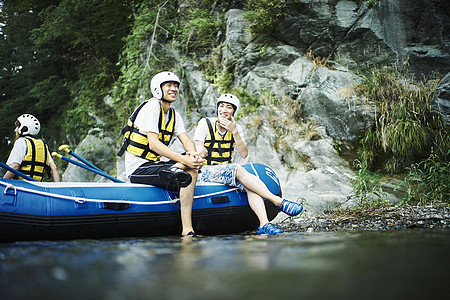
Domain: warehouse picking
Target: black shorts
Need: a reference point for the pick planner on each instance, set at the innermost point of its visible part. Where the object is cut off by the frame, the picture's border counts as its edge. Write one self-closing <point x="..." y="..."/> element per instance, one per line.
<point x="148" y="173"/>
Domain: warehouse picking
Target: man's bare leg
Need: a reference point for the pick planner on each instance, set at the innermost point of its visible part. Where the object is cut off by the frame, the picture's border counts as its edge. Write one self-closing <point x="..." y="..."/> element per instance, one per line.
<point x="257" y="205"/>
<point x="186" y="201"/>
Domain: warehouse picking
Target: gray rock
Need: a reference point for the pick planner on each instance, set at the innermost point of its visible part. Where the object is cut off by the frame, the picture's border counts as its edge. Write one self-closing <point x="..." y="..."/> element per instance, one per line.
<point x="98" y="150"/>
<point x="300" y="145"/>
<point x="309" y="168"/>
<point x="358" y="37"/>
<point x="237" y="36"/>
<point x="329" y="101"/>
<point x="442" y="103"/>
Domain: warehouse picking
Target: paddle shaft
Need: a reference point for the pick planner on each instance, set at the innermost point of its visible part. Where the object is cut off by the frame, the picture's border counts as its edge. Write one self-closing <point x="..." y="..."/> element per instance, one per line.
<point x="18" y="173"/>
<point x="84" y="161"/>
<point x="66" y="148"/>
<point x="94" y="170"/>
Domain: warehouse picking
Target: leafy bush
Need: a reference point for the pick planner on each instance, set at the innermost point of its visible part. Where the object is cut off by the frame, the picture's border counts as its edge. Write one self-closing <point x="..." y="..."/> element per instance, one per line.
<point x="199" y="32"/>
<point x="160" y="26"/>
<point x="406" y="128"/>
<point x="366" y="189"/>
<point x="144" y="54"/>
<point x="428" y="181"/>
<point x="263" y="16"/>
<point x="249" y="102"/>
<point x="222" y="80"/>
<point x="59" y="63"/>
<point x="408" y="135"/>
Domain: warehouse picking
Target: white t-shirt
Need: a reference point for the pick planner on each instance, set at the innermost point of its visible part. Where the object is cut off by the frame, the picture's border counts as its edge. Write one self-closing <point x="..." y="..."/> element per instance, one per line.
<point x="202" y="130"/>
<point x="19" y="151"/>
<point x="147" y="121"/>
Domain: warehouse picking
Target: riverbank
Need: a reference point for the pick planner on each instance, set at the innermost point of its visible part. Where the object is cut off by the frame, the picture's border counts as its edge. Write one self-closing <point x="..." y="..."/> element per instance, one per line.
<point x="383" y="218"/>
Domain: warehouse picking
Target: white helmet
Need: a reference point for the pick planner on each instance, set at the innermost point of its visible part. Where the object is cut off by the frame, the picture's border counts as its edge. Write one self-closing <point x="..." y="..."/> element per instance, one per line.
<point x="159" y="79"/>
<point x="229" y="98"/>
<point x="29" y="125"/>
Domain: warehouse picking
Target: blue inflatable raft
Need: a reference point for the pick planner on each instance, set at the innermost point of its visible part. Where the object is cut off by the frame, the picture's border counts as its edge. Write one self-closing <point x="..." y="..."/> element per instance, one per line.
<point x="81" y="210"/>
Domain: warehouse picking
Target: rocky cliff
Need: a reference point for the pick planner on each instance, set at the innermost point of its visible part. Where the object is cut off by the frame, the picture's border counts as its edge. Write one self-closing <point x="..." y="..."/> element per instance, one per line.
<point x="314" y="115"/>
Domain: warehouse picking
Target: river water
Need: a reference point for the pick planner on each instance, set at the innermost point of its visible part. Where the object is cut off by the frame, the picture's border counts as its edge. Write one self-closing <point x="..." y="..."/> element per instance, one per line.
<point x="292" y="265"/>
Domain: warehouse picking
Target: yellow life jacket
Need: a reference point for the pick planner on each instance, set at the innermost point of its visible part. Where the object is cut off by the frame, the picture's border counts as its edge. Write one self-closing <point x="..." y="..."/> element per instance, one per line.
<point x="220" y="147"/>
<point x="36" y="160"/>
<point x="137" y="143"/>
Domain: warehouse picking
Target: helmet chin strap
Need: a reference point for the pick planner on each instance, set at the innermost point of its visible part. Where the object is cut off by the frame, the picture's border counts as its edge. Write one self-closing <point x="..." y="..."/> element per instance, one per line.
<point x="162" y="97"/>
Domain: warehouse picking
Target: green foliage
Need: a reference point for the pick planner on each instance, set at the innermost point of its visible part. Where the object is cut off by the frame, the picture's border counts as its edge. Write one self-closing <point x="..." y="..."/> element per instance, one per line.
<point x="52" y="93"/>
<point x="428" y="181"/>
<point x="337" y="145"/>
<point x="263" y="16"/>
<point x="249" y="102"/>
<point x="406" y="128"/>
<point x="22" y="65"/>
<point x="407" y="131"/>
<point x="144" y="54"/>
<point x="371" y="3"/>
<point x="367" y="190"/>
<point x="59" y="59"/>
<point x="86" y="39"/>
<point x="199" y="30"/>
<point x="62" y="58"/>
<point x="223" y="81"/>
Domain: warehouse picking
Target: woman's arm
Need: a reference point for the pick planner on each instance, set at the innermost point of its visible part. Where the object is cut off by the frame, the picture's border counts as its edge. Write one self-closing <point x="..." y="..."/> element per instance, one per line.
<point x="9" y="174"/>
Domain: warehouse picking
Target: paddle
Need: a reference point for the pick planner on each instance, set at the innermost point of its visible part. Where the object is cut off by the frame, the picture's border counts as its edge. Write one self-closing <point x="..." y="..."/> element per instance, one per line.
<point x="66" y="148"/>
<point x="18" y="173"/>
<point x="94" y="170"/>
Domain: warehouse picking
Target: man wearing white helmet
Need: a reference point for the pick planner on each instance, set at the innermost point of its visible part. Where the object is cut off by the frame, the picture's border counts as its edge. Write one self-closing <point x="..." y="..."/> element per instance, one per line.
<point x="216" y="138"/>
<point x="147" y="136"/>
<point x="30" y="155"/>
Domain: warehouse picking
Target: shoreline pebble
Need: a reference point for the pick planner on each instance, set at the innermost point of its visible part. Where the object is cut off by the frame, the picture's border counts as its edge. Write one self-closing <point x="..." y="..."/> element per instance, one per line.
<point x="374" y="219"/>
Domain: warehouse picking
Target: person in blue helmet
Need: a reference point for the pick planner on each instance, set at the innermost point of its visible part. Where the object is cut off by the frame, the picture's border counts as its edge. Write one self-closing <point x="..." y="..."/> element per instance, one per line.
<point x="149" y="130"/>
<point x="216" y="139"/>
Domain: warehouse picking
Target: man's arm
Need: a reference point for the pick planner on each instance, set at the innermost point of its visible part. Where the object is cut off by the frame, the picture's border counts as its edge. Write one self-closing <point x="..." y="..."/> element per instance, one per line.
<point x="202" y="151"/>
<point x="199" y="136"/>
<point x="189" y="161"/>
<point x="191" y="149"/>
<point x="187" y="143"/>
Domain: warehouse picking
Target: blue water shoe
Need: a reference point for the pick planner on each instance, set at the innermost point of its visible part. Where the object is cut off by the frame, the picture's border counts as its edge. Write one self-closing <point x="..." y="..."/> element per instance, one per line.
<point x="290" y="208"/>
<point x="268" y="229"/>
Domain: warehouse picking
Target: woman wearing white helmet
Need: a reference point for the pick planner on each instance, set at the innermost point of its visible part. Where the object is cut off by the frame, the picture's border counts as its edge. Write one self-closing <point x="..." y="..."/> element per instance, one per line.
<point x="147" y="136"/>
<point x="29" y="154"/>
<point x="216" y="138"/>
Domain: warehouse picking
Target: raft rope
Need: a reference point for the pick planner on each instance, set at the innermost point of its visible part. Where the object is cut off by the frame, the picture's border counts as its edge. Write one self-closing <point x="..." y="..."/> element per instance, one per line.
<point x="82" y="200"/>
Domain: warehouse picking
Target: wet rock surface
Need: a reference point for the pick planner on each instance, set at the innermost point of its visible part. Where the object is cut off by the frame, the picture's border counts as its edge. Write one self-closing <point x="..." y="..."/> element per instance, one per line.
<point x="384" y="218"/>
